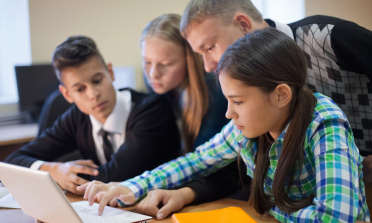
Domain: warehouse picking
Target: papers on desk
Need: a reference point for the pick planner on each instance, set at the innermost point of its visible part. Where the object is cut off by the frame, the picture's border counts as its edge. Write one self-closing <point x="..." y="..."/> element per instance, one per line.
<point x="7" y="200"/>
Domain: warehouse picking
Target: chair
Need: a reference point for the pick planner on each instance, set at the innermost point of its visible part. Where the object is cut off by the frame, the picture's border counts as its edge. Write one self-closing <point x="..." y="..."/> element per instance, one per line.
<point x="54" y="106"/>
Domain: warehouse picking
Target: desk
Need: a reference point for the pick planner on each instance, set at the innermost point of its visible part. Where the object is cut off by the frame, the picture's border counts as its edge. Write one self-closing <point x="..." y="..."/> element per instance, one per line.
<point x="15" y="134"/>
<point x="17" y="215"/>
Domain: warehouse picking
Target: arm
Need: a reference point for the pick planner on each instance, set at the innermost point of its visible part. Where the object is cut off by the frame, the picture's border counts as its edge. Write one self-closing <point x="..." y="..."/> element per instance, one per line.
<point x="220" y="184"/>
<point x="151" y="139"/>
<point x="352" y="45"/>
<point x="338" y="178"/>
<point x="211" y="156"/>
<point x="51" y="144"/>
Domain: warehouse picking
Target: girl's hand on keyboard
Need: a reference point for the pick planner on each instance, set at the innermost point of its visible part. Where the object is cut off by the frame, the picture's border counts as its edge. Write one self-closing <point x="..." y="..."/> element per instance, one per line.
<point x="111" y="191"/>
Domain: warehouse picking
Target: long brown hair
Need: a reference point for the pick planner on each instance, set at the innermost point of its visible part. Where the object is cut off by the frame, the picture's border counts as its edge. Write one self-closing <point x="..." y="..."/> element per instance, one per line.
<point x="265" y="59"/>
<point x="194" y="89"/>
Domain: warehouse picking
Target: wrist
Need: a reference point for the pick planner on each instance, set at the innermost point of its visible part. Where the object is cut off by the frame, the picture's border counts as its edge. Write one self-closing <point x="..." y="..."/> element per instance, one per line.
<point x="48" y="166"/>
<point x="188" y="194"/>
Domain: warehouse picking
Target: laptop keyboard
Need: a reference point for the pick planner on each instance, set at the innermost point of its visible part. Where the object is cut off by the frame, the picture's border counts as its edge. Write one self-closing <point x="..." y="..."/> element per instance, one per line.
<point x="89" y="214"/>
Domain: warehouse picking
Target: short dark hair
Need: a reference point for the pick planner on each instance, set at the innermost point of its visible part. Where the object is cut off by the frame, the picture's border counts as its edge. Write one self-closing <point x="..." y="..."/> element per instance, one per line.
<point x="74" y="51"/>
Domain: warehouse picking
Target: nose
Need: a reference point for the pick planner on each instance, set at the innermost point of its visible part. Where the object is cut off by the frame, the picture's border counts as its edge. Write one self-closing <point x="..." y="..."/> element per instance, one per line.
<point x="154" y="72"/>
<point x="93" y="92"/>
<point x="209" y="64"/>
<point x="230" y="114"/>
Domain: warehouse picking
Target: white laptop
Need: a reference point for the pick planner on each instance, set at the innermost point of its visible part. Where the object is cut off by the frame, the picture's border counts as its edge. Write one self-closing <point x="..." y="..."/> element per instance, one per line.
<point x="40" y="197"/>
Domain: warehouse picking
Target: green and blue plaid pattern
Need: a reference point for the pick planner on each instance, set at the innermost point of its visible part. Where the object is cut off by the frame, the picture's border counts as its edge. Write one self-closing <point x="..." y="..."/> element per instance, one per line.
<point x="332" y="169"/>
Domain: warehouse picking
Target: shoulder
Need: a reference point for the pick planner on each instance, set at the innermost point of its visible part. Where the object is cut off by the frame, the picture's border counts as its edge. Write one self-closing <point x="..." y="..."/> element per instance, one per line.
<point x="316" y="19"/>
<point x="326" y="110"/>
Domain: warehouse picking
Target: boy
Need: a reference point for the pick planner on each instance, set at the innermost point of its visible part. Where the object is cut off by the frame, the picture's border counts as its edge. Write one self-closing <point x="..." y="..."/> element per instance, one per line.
<point x="339" y="55"/>
<point x="120" y="134"/>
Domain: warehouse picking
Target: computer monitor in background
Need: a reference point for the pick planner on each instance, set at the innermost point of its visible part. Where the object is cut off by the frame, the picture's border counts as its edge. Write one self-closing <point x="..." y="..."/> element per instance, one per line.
<point x="35" y="83"/>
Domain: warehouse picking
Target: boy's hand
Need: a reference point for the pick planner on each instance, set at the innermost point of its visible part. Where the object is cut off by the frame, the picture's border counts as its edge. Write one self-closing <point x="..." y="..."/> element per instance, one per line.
<point x="65" y="174"/>
<point x="106" y="193"/>
<point x="173" y="200"/>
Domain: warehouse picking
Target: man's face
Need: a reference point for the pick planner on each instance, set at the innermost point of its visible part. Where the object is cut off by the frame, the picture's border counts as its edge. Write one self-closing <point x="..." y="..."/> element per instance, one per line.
<point x="211" y="38"/>
<point x="90" y="87"/>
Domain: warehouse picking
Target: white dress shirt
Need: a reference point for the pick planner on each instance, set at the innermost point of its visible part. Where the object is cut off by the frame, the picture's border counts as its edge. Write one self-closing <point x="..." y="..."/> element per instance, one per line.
<point x="115" y="125"/>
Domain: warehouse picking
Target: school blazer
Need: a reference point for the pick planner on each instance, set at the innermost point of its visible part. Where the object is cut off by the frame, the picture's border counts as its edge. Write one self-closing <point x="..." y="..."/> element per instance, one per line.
<point x="151" y="139"/>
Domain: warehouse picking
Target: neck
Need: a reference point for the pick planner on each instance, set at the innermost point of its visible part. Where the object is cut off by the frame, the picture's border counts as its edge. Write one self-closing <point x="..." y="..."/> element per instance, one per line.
<point x="261" y="25"/>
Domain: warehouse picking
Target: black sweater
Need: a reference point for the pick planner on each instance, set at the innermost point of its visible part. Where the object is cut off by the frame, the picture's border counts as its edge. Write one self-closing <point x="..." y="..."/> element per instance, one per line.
<point x="151" y="138"/>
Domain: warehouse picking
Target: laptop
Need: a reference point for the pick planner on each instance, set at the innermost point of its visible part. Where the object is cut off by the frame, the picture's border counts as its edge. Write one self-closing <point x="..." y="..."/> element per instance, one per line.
<point x="41" y="198"/>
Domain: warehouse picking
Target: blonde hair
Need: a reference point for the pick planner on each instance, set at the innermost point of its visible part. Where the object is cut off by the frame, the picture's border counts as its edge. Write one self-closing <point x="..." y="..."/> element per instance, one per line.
<point x="198" y="10"/>
<point x="194" y="90"/>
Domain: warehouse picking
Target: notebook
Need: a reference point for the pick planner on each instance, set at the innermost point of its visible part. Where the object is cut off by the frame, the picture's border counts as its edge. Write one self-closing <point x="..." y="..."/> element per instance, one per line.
<point x="230" y="214"/>
<point x="40" y="197"/>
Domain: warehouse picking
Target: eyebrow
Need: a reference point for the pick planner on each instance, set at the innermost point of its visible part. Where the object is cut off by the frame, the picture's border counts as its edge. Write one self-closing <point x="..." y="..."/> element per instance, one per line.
<point x="234" y="96"/>
<point x="93" y="77"/>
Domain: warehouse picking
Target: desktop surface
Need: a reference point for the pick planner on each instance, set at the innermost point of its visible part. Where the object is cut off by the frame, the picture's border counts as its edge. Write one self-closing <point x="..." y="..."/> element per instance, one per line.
<point x="17" y="215"/>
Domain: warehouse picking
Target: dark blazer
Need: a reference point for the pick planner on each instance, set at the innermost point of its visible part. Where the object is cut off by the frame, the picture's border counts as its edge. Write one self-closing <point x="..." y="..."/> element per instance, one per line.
<point x="151" y="139"/>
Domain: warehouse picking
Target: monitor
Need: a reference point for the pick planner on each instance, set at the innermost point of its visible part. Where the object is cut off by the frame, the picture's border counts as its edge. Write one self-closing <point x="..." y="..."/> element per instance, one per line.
<point x="35" y="83"/>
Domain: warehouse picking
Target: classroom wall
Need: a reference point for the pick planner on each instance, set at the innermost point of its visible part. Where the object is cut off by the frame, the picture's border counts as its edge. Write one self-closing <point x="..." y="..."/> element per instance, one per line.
<point x="115" y="25"/>
<point x="358" y="11"/>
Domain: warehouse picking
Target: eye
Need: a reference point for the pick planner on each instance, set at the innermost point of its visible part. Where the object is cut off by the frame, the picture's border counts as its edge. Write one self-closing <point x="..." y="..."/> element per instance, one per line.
<point x="80" y="89"/>
<point x="98" y="81"/>
<point x="210" y="48"/>
<point x="237" y="102"/>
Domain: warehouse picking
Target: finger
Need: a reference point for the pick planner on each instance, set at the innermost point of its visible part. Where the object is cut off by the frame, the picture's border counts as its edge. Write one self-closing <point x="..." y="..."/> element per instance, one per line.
<point x="98" y="197"/>
<point x="113" y="202"/>
<point x="128" y="198"/>
<point x="83" y="187"/>
<point x="78" y="180"/>
<point x="94" y="190"/>
<point x="87" y="190"/>
<point x="166" y="210"/>
<point x="154" y="201"/>
<point x="142" y="205"/>
<point x="72" y="188"/>
<point x="104" y="201"/>
<point x="84" y="170"/>
<point x="89" y="163"/>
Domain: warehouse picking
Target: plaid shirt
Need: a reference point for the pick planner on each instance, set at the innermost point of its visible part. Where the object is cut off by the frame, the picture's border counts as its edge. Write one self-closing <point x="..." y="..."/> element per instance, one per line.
<point x="332" y="168"/>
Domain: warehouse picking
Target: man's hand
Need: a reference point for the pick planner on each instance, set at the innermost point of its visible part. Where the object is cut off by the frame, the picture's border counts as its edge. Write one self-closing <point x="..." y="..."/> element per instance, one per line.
<point x="65" y="174"/>
<point x="173" y="200"/>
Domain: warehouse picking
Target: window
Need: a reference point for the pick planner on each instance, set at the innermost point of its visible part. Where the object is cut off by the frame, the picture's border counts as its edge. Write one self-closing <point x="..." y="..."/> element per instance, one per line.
<point x="15" y="45"/>
<point x="284" y="11"/>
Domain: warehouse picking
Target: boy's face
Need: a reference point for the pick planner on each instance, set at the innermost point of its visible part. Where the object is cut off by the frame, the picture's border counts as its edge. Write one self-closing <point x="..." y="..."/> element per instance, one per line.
<point x="90" y="87"/>
<point x="211" y="38"/>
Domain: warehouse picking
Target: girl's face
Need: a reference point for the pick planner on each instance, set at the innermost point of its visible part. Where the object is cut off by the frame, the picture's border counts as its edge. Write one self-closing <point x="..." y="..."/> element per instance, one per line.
<point x="255" y="112"/>
<point x="164" y="63"/>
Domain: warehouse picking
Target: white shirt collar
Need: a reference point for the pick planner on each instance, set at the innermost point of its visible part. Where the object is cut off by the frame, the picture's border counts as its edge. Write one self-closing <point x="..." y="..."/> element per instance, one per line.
<point x="117" y="120"/>
<point x="284" y="28"/>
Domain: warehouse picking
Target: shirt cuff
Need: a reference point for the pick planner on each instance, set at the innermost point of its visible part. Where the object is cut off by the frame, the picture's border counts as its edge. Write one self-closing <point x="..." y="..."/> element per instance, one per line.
<point x="36" y="165"/>
<point x="134" y="187"/>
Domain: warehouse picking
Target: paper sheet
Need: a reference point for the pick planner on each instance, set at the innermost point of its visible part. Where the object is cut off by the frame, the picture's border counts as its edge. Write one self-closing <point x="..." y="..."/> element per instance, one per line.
<point x="7" y="200"/>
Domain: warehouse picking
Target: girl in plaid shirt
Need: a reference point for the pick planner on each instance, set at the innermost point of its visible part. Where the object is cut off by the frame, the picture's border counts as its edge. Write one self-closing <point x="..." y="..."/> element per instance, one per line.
<point x="298" y="146"/>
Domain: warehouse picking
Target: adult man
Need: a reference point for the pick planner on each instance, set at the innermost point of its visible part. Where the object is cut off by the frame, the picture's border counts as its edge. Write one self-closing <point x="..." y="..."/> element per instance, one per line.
<point x="120" y="133"/>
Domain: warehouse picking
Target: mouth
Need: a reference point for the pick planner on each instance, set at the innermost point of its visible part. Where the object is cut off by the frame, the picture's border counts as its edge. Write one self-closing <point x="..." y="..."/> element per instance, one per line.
<point x="100" y="106"/>
<point x="239" y="126"/>
<point x="156" y="85"/>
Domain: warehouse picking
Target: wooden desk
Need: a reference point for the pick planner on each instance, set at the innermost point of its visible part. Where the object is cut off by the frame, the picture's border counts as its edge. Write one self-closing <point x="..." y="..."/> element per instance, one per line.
<point x="15" y="134"/>
<point x="17" y="215"/>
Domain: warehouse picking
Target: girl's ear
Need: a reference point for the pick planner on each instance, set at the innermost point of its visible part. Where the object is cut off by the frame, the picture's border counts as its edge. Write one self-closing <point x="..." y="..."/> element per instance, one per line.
<point x="281" y="96"/>
<point x="65" y="94"/>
